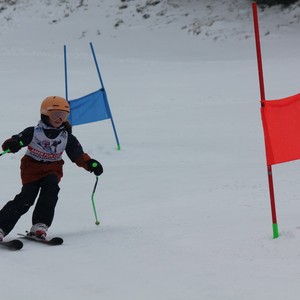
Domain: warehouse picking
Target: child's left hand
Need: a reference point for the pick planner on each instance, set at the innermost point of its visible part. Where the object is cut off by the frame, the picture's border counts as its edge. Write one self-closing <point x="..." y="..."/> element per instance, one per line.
<point x="95" y="167"/>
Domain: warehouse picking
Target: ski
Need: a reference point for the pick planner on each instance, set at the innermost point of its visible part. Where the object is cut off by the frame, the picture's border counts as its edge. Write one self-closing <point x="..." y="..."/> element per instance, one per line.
<point x="12" y="244"/>
<point x="51" y="242"/>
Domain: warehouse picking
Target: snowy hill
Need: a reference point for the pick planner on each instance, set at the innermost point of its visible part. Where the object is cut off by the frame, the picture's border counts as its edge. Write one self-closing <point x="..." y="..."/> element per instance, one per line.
<point x="184" y="206"/>
<point x="207" y="19"/>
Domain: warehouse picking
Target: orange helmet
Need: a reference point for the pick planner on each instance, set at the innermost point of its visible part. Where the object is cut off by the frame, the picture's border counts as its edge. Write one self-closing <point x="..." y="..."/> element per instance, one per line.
<point x="54" y="103"/>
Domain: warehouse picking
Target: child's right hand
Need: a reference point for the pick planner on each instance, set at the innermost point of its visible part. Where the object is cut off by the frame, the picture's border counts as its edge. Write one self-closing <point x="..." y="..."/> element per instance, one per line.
<point x="12" y="145"/>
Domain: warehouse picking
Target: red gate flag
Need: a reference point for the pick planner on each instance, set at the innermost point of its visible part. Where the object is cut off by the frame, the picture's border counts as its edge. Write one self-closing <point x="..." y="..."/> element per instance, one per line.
<point x="281" y="123"/>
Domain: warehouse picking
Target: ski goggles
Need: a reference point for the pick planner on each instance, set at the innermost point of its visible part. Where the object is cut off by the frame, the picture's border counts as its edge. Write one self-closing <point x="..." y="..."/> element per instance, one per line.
<point x="56" y="115"/>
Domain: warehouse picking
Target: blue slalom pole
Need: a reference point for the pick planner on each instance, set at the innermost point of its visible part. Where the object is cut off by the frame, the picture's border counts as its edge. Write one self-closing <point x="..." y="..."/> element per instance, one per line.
<point x="66" y="75"/>
<point x="105" y="97"/>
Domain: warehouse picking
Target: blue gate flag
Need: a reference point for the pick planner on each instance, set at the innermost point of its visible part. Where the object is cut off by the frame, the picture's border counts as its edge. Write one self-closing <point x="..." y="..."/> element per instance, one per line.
<point x="90" y="108"/>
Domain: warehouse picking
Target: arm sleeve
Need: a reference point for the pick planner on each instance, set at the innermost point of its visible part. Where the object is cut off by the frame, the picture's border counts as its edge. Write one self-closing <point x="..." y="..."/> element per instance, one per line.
<point x="25" y="136"/>
<point x="75" y="152"/>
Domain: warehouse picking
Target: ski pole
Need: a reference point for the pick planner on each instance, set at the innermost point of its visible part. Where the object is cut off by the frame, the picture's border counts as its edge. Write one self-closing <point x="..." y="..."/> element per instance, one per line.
<point x="4" y="152"/>
<point x="93" y="203"/>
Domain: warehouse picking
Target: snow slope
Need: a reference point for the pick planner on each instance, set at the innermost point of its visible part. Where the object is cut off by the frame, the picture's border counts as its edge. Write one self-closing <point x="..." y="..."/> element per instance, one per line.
<point x="184" y="205"/>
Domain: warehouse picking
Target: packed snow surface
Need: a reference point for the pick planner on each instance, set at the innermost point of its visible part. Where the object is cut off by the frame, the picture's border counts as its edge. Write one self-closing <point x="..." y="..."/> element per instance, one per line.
<point x="184" y="205"/>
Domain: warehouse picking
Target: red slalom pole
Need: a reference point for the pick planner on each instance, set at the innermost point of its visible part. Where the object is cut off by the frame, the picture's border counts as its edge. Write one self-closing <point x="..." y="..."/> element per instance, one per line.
<point x="263" y="98"/>
<point x="258" y="52"/>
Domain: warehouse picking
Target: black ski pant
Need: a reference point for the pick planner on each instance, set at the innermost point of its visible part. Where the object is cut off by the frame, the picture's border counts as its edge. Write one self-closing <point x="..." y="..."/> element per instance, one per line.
<point x="48" y="190"/>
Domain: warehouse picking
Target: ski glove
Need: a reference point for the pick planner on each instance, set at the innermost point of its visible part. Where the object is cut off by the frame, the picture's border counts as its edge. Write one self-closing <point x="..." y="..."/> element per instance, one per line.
<point x="12" y="145"/>
<point x="94" y="166"/>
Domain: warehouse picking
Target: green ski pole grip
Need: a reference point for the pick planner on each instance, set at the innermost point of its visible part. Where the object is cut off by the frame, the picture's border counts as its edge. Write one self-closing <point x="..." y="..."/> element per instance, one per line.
<point x="94" y="165"/>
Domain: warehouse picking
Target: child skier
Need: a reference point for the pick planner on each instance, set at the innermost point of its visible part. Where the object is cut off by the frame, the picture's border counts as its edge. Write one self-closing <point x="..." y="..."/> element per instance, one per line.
<point x="42" y="166"/>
